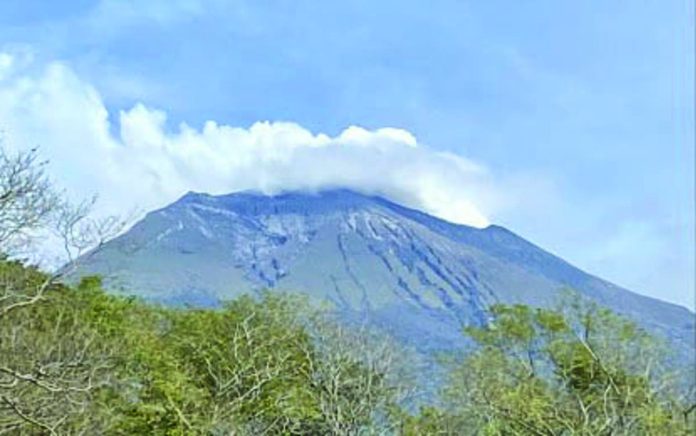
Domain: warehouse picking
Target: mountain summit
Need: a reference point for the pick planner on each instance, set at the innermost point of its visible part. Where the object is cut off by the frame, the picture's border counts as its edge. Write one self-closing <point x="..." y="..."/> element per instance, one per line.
<point x="419" y="276"/>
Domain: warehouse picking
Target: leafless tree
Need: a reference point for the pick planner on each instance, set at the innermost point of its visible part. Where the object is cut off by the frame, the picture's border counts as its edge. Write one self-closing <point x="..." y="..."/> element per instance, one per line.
<point x="44" y="378"/>
<point x="32" y="208"/>
<point x="27" y="198"/>
<point x="361" y="376"/>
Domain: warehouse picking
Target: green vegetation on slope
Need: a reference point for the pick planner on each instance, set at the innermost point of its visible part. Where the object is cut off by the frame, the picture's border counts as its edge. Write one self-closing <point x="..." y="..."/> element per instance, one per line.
<point x="577" y="370"/>
<point x="74" y="360"/>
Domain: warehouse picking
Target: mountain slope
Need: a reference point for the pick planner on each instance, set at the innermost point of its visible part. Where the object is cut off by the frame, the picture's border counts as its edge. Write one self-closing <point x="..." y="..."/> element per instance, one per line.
<point x="414" y="274"/>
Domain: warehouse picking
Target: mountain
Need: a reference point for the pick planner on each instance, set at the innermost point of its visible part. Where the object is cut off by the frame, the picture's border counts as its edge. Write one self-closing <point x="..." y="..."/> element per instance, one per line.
<point x="418" y="276"/>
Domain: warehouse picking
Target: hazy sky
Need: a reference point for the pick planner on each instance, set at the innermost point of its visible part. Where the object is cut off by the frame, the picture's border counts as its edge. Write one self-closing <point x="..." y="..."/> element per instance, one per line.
<point x="571" y="123"/>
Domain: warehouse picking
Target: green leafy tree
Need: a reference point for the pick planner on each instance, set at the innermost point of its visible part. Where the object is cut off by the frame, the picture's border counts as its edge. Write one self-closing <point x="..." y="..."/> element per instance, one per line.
<point x="578" y="370"/>
<point x="53" y="359"/>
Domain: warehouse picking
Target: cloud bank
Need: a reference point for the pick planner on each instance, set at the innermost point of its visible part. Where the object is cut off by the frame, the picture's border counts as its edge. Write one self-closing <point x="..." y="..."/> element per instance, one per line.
<point x="135" y="159"/>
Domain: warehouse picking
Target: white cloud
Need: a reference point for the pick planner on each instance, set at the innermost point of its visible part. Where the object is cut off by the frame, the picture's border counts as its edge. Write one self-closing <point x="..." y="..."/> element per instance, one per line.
<point x="138" y="161"/>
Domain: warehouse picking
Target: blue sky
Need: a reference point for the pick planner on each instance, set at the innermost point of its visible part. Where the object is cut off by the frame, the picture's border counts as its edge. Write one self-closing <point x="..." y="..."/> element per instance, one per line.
<point x="581" y="113"/>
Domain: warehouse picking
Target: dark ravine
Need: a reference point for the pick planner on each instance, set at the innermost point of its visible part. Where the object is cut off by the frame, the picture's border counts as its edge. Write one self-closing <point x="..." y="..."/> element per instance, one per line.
<point x="420" y="277"/>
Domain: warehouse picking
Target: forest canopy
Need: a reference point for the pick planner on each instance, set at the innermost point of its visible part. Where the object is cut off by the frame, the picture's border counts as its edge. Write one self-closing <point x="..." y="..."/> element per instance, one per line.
<point x="79" y="361"/>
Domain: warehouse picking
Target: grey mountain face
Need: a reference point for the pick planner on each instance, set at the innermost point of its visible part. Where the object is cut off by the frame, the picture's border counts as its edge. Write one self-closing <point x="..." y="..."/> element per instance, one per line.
<point x="419" y="277"/>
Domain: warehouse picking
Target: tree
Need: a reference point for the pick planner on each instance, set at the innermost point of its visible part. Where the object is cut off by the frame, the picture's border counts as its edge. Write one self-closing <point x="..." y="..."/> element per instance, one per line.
<point x="27" y="198"/>
<point x="46" y="363"/>
<point x="361" y="378"/>
<point x="576" y="370"/>
<point x="272" y="365"/>
<point x="32" y="208"/>
<point x="53" y="357"/>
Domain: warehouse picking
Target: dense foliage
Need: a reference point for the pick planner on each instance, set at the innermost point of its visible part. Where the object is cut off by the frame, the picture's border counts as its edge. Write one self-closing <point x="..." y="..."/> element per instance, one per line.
<point x="577" y="370"/>
<point x="76" y="360"/>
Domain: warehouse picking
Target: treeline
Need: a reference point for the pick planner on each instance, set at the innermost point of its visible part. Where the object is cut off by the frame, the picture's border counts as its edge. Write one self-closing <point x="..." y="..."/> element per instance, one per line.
<point x="74" y="360"/>
<point x="576" y="370"/>
<point x="78" y="361"/>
